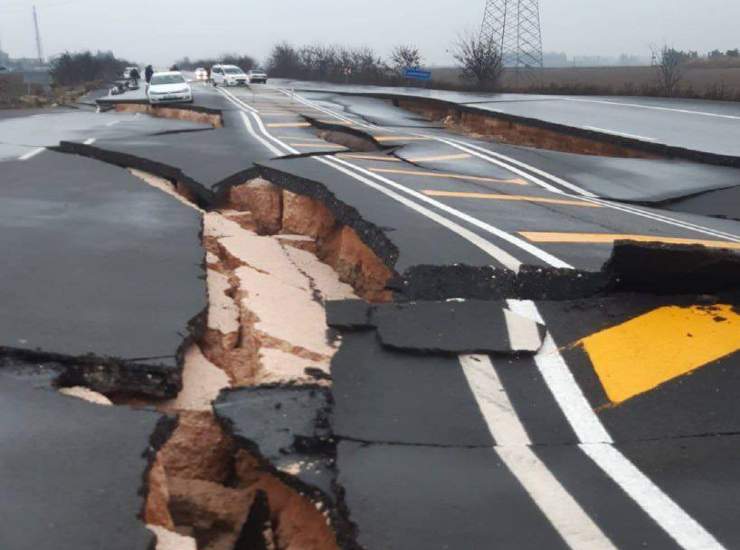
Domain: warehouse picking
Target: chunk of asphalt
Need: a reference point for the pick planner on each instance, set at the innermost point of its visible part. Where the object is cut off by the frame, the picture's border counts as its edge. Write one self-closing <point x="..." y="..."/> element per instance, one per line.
<point x="104" y="273"/>
<point x="382" y="395"/>
<point x="455" y="327"/>
<point x="288" y="426"/>
<point x="348" y="314"/>
<point x="71" y="472"/>
<point x="671" y="269"/>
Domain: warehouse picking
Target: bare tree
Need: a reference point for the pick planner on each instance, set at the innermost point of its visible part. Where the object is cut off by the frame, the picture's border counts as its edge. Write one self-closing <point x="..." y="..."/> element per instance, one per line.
<point x="670" y="66"/>
<point x="480" y="60"/>
<point x="406" y="57"/>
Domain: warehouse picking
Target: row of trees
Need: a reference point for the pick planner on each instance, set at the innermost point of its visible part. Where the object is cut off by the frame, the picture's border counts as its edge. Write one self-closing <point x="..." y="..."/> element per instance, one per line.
<point x="72" y="69"/>
<point x="246" y="62"/>
<point x="480" y="62"/>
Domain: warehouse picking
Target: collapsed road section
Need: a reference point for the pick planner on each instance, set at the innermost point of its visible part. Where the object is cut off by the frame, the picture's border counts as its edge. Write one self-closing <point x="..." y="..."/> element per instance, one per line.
<point x="369" y="371"/>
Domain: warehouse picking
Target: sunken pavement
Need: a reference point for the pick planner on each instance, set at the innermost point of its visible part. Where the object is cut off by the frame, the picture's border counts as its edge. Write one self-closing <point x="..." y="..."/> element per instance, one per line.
<point x="207" y="342"/>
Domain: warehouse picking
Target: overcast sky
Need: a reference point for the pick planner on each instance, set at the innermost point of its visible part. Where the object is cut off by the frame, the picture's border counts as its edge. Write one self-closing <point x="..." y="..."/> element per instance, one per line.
<point x="160" y="31"/>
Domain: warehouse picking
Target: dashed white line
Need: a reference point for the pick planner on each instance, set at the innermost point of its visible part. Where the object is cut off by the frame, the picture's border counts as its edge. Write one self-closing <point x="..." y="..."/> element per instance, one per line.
<point x="618" y="133"/>
<point x="568" y="518"/>
<point x="32" y="153"/>
<point x="651" y="107"/>
<point x="89" y="141"/>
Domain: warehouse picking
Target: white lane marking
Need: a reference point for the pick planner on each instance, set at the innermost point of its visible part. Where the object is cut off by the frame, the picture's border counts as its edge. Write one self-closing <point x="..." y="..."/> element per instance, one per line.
<point x="524" y="334"/>
<point x="651" y="107"/>
<point x="493" y="401"/>
<point x="32" y="153"/>
<point x="500" y="255"/>
<point x="503" y="257"/>
<point x="598" y="445"/>
<point x="503" y="235"/>
<point x="684" y="529"/>
<point x="618" y="133"/>
<point x="113" y="123"/>
<point x="513" y="447"/>
<point x="590" y="428"/>
<point x="497" y="159"/>
<point x="248" y="125"/>
<point x="89" y="141"/>
<point x="588" y="196"/>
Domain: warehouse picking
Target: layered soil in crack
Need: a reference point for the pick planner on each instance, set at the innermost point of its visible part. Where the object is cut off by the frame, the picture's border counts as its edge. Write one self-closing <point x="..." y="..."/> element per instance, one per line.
<point x="176" y="113"/>
<point x="265" y="325"/>
<point x="506" y="130"/>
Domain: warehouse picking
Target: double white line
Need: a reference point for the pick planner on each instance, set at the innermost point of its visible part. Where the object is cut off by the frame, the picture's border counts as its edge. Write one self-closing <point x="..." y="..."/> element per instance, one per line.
<point x="513" y="445"/>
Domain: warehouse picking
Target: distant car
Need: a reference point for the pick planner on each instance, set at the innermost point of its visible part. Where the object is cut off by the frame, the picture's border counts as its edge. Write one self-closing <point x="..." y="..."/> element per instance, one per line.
<point x="4" y="69"/>
<point x="201" y="74"/>
<point x="228" y="75"/>
<point x="256" y="76"/>
<point x="169" y="87"/>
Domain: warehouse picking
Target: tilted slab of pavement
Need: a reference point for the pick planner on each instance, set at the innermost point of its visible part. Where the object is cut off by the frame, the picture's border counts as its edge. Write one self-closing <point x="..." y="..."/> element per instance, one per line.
<point x="101" y="269"/>
<point x="71" y="472"/>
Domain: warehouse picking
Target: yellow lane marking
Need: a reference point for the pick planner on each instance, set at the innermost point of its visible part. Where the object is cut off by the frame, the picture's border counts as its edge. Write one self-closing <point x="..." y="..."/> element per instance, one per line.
<point x="526" y="198"/>
<point x="337" y="122"/>
<point x="369" y="157"/>
<point x="661" y="345"/>
<point x="515" y="181"/>
<point x="401" y="138"/>
<point x="606" y="238"/>
<point x="288" y="125"/>
<point x="440" y="158"/>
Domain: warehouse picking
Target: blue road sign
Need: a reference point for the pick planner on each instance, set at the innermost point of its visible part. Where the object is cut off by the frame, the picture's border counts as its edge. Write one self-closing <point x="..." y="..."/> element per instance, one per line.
<point x="418" y="74"/>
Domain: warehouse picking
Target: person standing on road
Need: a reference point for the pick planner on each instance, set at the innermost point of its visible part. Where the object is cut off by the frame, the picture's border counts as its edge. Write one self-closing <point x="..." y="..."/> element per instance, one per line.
<point x="148" y="72"/>
<point x="135" y="76"/>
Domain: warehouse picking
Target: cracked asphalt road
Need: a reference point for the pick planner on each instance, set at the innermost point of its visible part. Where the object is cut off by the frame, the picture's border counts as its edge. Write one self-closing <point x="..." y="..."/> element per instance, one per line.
<point x="437" y="446"/>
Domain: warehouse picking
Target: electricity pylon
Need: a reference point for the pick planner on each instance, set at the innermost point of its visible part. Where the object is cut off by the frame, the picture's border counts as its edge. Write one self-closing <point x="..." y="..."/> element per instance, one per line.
<point x="514" y="26"/>
<point x="39" y="51"/>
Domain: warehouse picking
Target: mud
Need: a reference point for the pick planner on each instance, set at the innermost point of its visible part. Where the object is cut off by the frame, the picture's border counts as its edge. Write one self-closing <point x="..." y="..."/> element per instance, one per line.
<point x="508" y="130"/>
<point x="189" y="114"/>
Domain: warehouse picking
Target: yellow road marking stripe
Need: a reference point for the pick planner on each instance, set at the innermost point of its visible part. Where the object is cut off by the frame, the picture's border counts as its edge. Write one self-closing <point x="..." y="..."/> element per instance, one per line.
<point x="515" y="181"/>
<point x="337" y="122"/>
<point x="288" y="125"/>
<point x="606" y="238"/>
<point x="369" y="157"/>
<point x="661" y="345"/>
<point x="526" y="198"/>
<point x="462" y="156"/>
<point x="400" y="138"/>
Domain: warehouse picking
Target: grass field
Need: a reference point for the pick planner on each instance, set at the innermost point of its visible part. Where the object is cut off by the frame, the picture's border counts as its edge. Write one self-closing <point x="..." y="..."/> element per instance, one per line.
<point x="703" y="80"/>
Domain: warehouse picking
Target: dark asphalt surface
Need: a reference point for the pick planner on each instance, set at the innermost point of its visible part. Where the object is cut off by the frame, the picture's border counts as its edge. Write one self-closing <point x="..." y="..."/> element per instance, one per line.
<point x="709" y="126"/>
<point x="97" y="262"/>
<point x="71" y="473"/>
<point x="432" y="450"/>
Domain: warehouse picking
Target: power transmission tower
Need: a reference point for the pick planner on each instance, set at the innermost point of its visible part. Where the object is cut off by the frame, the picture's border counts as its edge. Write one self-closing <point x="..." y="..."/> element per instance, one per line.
<point x="39" y="51"/>
<point x="514" y="25"/>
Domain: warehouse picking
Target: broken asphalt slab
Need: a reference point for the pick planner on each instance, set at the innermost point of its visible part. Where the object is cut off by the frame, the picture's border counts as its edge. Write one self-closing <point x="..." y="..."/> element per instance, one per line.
<point x="101" y="270"/>
<point x="451" y="327"/>
<point x="288" y="427"/>
<point x="200" y="160"/>
<point x="71" y="472"/>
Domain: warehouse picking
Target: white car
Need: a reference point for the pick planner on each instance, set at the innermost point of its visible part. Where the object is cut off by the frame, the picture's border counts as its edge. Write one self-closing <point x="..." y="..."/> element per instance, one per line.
<point x="201" y="74"/>
<point x="257" y="75"/>
<point x="170" y="87"/>
<point x="228" y="75"/>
